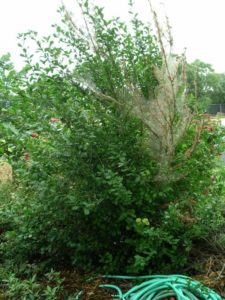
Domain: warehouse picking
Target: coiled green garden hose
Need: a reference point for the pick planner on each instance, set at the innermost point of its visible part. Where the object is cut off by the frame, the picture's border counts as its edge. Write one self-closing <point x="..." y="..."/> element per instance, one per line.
<point x="157" y="287"/>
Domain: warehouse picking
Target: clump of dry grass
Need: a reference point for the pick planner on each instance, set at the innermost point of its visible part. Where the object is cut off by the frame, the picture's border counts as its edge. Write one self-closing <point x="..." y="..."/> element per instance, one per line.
<point x="213" y="272"/>
<point x="6" y="172"/>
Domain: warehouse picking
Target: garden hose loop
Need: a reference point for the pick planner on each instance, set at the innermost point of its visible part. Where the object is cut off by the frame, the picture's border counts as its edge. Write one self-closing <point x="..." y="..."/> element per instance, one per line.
<point x="159" y="287"/>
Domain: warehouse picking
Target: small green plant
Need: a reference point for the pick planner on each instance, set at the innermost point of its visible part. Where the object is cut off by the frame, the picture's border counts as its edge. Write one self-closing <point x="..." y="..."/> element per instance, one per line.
<point x="17" y="289"/>
<point x="49" y="288"/>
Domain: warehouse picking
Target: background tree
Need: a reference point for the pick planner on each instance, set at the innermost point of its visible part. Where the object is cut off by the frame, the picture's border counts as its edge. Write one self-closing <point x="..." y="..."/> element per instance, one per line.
<point x="205" y="84"/>
<point x="218" y="92"/>
<point x="200" y="81"/>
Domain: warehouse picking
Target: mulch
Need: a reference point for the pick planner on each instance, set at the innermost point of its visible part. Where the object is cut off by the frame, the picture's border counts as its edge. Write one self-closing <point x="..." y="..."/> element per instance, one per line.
<point x="75" y="282"/>
<point x="212" y="275"/>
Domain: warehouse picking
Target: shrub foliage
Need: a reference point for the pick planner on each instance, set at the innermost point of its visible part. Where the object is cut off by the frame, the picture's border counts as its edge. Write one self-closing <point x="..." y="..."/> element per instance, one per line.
<point x="86" y="191"/>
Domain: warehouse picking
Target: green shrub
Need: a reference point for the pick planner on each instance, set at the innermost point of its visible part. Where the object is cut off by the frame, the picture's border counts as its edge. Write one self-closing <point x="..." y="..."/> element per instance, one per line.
<point x="82" y="206"/>
<point x="86" y="193"/>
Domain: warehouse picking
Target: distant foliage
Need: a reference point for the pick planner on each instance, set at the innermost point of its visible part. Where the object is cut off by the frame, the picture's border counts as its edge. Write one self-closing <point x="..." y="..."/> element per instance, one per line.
<point x="205" y="84"/>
